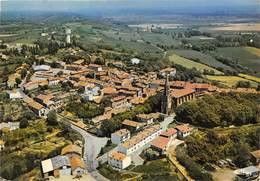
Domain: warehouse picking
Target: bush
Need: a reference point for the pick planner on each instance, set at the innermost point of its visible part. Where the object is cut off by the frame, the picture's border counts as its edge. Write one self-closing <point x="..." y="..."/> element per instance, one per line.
<point x="52" y="118"/>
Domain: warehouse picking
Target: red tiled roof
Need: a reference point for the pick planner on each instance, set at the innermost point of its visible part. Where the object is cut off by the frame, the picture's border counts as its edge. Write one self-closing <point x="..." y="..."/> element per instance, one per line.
<point x="176" y="93"/>
<point x="169" y="132"/>
<point x="183" y="128"/>
<point x="160" y="142"/>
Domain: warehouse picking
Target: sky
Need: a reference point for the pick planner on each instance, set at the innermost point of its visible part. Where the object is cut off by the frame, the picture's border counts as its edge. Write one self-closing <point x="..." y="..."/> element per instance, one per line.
<point x="121" y="7"/>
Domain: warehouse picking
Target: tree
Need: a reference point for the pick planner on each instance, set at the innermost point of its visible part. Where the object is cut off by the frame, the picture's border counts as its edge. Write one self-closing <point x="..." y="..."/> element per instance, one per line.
<point x="18" y="81"/>
<point x="24" y="123"/>
<point x="23" y="73"/>
<point x="52" y="118"/>
<point x="243" y="84"/>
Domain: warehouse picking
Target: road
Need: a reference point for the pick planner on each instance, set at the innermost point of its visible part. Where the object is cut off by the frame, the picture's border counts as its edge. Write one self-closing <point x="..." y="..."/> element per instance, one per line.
<point x="92" y="147"/>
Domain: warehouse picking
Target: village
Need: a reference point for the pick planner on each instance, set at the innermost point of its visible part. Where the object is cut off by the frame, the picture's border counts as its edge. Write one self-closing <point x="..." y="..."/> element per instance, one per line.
<point x="88" y="95"/>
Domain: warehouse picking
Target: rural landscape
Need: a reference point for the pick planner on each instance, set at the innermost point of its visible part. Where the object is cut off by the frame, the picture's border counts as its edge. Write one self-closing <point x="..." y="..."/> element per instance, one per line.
<point x="129" y="91"/>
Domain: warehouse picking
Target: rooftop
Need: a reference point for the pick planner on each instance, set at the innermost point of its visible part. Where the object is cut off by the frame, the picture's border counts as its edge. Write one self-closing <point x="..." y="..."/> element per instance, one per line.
<point x="76" y="162"/>
<point x="183" y="128"/>
<point x="160" y="142"/>
<point x="169" y="132"/>
<point x="256" y="154"/>
<point x="71" y="148"/>
<point x="132" y="123"/>
<point x="176" y="93"/>
<point x="121" y="132"/>
<point x="117" y="156"/>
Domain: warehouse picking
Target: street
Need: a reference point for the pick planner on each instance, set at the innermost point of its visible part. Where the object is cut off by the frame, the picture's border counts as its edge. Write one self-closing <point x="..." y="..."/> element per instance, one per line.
<point x="92" y="147"/>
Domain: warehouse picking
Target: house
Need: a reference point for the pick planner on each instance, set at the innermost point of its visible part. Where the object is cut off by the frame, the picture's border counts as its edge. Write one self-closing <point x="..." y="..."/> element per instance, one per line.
<point x="183" y="131"/>
<point x="120" y="136"/>
<point x="132" y="125"/>
<point x="256" y="156"/>
<point x="141" y="139"/>
<point x="77" y="166"/>
<point x="160" y="144"/>
<point x="148" y="118"/>
<point x="36" y="107"/>
<point x="168" y="71"/>
<point x="71" y="151"/>
<point x="119" y="102"/>
<point x="170" y="133"/>
<point x="45" y="100"/>
<point x="248" y="173"/>
<point x="10" y="126"/>
<point x="119" y="160"/>
<point x="95" y="67"/>
<point x="14" y="94"/>
<point x="54" y="81"/>
<point x="41" y="68"/>
<point x="180" y="96"/>
<point x="135" y="61"/>
<point x="2" y="144"/>
<point x="108" y="91"/>
<point x="57" y="166"/>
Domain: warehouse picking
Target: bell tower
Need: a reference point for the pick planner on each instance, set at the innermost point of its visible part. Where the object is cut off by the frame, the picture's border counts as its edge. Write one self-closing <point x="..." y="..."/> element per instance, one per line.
<point x="166" y="98"/>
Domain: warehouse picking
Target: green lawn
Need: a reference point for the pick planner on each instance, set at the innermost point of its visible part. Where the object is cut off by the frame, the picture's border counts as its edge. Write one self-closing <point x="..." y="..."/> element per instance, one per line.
<point x="191" y="64"/>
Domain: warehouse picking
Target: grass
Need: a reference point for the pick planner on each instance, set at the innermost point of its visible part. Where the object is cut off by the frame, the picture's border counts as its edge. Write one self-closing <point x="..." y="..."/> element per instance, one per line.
<point x="203" y="58"/>
<point x="152" y="171"/>
<point x="230" y="81"/>
<point x="245" y="56"/>
<point x="250" y="77"/>
<point x="253" y="50"/>
<point x="191" y="64"/>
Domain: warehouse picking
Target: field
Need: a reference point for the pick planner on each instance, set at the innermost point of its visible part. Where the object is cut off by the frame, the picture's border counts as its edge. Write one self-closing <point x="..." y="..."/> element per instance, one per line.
<point x="245" y="56"/>
<point x="191" y="64"/>
<point x="238" y="27"/>
<point x="249" y="77"/>
<point x="203" y="58"/>
<point x="230" y="81"/>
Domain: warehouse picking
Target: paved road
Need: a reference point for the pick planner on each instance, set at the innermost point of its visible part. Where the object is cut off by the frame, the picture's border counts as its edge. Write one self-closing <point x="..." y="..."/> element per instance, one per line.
<point x="92" y="148"/>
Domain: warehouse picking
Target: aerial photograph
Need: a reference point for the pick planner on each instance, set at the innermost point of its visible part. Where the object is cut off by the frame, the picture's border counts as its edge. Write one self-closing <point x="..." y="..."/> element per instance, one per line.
<point x="130" y="90"/>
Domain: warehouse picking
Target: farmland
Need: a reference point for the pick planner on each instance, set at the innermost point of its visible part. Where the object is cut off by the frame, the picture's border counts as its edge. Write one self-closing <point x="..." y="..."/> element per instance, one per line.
<point x="249" y="77"/>
<point x="191" y="64"/>
<point x="245" y="56"/>
<point x="230" y="81"/>
<point x="201" y="57"/>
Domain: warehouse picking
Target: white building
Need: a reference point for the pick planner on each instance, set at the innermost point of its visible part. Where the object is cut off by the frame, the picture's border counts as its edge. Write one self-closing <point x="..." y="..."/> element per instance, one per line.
<point x="68" y="34"/>
<point x="120" y="136"/>
<point x="14" y="94"/>
<point x="119" y="160"/>
<point x="183" y="131"/>
<point x="140" y="140"/>
<point x="135" y="61"/>
<point x="41" y="68"/>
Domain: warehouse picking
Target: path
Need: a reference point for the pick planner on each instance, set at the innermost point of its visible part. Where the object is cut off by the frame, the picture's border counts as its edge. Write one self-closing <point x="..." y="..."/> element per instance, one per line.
<point x="172" y="157"/>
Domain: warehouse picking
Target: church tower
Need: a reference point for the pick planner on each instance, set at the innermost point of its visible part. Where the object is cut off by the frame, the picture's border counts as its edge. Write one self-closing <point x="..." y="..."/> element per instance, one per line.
<point x="166" y="98"/>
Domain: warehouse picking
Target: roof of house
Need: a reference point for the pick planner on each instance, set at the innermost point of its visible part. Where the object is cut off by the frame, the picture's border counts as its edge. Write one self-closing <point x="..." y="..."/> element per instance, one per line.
<point x="2" y="142"/>
<point x="169" y="132"/>
<point x="121" y="132"/>
<point x="116" y="155"/>
<point x="109" y="90"/>
<point x="183" y="128"/>
<point x="76" y="162"/>
<point x="140" y="136"/>
<point x="256" y="154"/>
<point x="149" y="116"/>
<point x="70" y="149"/>
<point x="33" y="104"/>
<point x="176" y="93"/>
<point x="160" y="142"/>
<point x="60" y="161"/>
<point x="46" y="166"/>
<point x="132" y="123"/>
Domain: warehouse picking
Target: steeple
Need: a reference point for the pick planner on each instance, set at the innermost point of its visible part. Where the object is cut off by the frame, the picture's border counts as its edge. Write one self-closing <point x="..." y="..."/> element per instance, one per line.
<point x="166" y="99"/>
